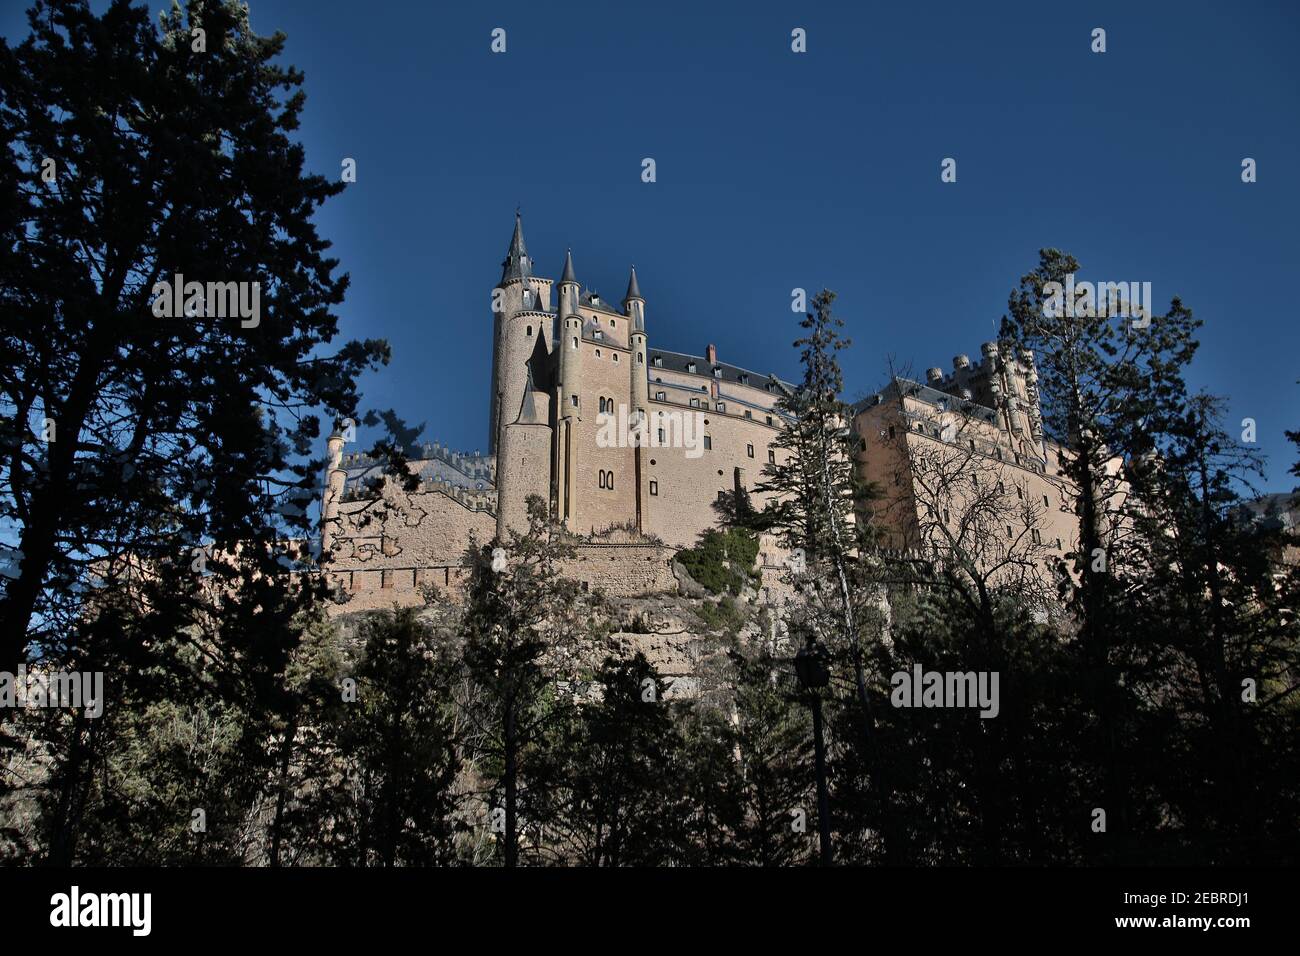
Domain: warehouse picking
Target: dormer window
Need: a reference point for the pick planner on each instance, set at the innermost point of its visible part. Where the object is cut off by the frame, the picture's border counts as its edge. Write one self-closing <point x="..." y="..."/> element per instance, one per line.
<point x="744" y="380"/>
<point x="598" y="335"/>
<point x="690" y="367"/>
<point x="717" y="371"/>
<point x="658" y="361"/>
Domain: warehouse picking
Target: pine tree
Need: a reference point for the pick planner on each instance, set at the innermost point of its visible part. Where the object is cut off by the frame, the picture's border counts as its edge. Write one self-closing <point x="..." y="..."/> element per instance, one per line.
<point x="524" y="631"/>
<point x="817" y="497"/>
<point x="132" y="438"/>
<point x="1106" y="382"/>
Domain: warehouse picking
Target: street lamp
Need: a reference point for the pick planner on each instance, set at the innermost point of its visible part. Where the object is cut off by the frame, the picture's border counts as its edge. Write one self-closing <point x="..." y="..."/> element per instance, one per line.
<point x="813" y="670"/>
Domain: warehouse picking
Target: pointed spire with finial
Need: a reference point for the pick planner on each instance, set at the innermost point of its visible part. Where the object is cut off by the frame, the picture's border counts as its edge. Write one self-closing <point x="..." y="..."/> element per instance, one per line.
<point x="633" y="290"/>
<point x="568" y="275"/>
<point x="517" y="265"/>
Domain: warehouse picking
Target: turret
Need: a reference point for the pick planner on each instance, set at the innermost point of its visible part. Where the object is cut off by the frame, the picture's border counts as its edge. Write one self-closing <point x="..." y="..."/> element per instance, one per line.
<point x="634" y="306"/>
<point x="516" y="339"/>
<point x="570" y="344"/>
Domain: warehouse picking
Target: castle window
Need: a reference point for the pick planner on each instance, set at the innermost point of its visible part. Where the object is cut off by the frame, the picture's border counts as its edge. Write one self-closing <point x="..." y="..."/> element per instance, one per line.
<point x="1010" y="533"/>
<point x="1020" y="493"/>
<point x="1058" y="544"/>
<point x="972" y="444"/>
<point x="661" y="436"/>
<point x="690" y="366"/>
<point x="891" y="431"/>
<point x="654" y="487"/>
<point x="615" y="356"/>
<point x="945" y="515"/>
<point x="695" y="403"/>
<point x="658" y="361"/>
<point x="613" y="324"/>
<point x="717" y="371"/>
<point x="771" y="457"/>
<point x="661" y="396"/>
<point x="769" y="419"/>
<point x="602" y="403"/>
<point x="1046" y="503"/>
<point x="1038" y="539"/>
<point x="708" y="443"/>
<point x="640" y="359"/>
<point x="597" y="353"/>
<point x="744" y="380"/>
<point x="528" y="330"/>
<point x="575" y="343"/>
<point x="1002" y="488"/>
<point x="749" y="450"/>
<point x="721" y="406"/>
<point x="748" y="413"/>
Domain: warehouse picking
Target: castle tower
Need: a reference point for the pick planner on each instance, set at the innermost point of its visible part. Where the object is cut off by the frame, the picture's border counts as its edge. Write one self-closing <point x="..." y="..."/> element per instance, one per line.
<point x="521" y="332"/>
<point x="569" y="392"/>
<point x="634" y="307"/>
<point x="519" y="430"/>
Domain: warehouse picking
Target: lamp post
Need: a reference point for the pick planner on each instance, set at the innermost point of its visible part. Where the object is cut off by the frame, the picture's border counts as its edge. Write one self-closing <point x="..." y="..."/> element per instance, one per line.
<point x="810" y="665"/>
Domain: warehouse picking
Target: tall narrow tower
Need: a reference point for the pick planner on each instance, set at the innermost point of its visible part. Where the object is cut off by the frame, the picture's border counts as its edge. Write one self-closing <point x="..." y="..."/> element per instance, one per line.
<point x="569" y="392"/>
<point x="634" y="308"/>
<point x="507" y="353"/>
<point x="521" y="433"/>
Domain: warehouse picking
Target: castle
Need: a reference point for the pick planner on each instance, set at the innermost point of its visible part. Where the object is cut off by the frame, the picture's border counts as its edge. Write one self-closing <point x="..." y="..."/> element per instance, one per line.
<point x="630" y="446"/>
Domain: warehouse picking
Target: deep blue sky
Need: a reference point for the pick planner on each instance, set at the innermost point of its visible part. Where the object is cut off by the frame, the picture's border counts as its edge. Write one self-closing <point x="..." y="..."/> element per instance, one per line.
<point x="778" y="170"/>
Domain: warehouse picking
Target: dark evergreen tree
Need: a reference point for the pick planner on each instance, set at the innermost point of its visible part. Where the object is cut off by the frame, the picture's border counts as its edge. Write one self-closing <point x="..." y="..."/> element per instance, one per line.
<point x="524" y="631"/>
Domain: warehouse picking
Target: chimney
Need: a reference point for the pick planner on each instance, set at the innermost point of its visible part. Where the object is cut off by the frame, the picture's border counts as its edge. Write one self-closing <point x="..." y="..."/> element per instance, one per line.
<point x="711" y="354"/>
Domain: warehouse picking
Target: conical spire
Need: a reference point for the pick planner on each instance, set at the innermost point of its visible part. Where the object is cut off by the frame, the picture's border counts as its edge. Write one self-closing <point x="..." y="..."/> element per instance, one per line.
<point x="568" y="275"/>
<point x="517" y="265"/>
<point x="633" y="290"/>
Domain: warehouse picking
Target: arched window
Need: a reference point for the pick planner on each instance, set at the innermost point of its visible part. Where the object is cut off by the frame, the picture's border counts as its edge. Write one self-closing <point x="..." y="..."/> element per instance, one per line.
<point x="601" y="478"/>
<point x="602" y="408"/>
<point x="609" y="480"/>
<point x="528" y="330"/>
<point x="575" y="343"/>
